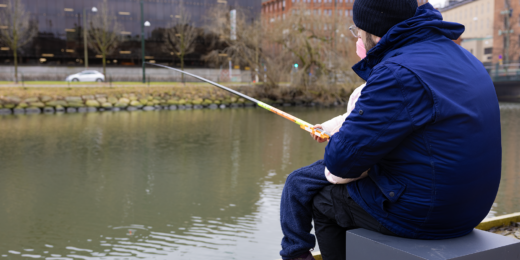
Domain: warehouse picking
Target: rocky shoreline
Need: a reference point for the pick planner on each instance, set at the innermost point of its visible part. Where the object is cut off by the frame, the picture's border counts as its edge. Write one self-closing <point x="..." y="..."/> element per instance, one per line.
<point x="180" y="99"/>
<point x="100" y="103"/>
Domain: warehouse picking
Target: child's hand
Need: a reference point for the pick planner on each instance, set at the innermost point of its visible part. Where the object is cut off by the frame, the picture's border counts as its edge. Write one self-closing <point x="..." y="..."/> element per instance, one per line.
<point x="317" y="138"/>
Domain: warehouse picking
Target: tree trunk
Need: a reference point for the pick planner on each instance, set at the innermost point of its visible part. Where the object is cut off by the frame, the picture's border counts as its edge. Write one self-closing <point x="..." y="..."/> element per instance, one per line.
<point x="257" y="65"/>
<point x="15" y="66"/>
<point x="104" y="65"/>
<point x="182" y="66"/>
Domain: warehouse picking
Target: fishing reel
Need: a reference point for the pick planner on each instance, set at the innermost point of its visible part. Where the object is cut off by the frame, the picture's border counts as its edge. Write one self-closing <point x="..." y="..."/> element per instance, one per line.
<point x="316" y="131"/>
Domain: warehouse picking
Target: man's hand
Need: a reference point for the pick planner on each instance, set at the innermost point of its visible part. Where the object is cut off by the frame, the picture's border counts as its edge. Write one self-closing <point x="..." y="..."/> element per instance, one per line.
<point x="317" y="138"/>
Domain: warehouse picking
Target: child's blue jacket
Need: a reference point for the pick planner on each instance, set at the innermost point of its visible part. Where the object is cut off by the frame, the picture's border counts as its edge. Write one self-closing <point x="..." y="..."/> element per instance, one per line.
<point x="427" y="125"/>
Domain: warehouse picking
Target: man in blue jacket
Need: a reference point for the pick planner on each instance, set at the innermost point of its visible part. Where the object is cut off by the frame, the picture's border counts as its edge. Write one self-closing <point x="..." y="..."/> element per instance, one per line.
<point x="426" y="127"/>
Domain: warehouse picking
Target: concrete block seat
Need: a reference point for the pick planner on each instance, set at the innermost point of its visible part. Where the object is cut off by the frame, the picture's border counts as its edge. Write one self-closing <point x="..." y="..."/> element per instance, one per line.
<point x="363" y="244"/>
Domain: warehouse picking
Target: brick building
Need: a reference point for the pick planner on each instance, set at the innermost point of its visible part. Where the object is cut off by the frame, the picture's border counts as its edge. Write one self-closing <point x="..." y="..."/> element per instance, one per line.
<point x="478" y="17"/>
<point x="278" y="9"/>
<point x="503" y="16"/>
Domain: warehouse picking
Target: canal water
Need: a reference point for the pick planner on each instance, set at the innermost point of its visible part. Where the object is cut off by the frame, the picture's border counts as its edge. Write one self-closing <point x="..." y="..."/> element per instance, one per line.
<point x="196" y="184"/>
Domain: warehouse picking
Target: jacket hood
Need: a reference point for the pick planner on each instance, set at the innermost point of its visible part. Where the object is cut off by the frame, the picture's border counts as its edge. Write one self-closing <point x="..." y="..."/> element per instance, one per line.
<point x="425" y="24"/>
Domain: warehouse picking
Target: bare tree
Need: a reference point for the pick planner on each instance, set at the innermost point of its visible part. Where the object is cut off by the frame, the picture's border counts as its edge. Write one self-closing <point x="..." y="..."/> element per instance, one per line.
<point x="181" y="35"/>
<point x="103" y="32"/>
<point x="246" y="47"/>
<point x="318" y="43"/>
<point x="20" y="29"/>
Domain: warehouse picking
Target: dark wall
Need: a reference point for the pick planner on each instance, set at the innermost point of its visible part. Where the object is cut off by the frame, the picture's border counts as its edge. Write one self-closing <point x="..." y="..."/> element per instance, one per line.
<point x="60" y="35"/>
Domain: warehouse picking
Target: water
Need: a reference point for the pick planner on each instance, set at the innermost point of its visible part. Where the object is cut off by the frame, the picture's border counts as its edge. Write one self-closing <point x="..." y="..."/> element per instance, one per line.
<point x="199" y="184"/>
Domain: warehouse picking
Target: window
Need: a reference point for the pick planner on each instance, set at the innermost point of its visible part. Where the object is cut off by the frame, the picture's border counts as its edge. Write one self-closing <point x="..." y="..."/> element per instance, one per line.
<point x="346" y="12"/>
<point x="488" y="50"/>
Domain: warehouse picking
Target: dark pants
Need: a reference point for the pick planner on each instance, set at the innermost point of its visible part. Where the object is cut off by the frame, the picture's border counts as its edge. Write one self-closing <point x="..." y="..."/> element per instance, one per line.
<point x="306" y="195"/>
<point x="335" y="212"/>
<point x="296" y="208"/>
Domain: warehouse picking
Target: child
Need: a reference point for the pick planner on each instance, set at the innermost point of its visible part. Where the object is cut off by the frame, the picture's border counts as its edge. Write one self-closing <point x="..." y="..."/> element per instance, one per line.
<point x="303" y="184"/>
<point x="332" y="126"/>
<point x="300" y="188"/>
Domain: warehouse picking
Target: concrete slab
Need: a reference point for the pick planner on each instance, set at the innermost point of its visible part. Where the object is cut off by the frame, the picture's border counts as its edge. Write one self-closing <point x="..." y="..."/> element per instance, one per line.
<point x="363" y="244"/>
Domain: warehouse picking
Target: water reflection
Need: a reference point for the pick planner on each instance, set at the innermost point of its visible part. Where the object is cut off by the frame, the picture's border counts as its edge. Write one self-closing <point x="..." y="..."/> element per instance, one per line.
<point x="160" y="184"/>
<point x="164" y="184"/>
<point x="508" y="198"/>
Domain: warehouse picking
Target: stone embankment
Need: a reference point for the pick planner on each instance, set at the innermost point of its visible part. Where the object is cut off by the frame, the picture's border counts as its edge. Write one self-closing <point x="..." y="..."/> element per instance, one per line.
<point x="26" y="100"/>
<point x="19" y="100"/>
<point x="103" y="102"/>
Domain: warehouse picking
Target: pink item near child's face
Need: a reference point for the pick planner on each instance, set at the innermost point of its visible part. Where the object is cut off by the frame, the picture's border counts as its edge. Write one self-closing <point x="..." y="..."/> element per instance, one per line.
<point x="360" y="48"/>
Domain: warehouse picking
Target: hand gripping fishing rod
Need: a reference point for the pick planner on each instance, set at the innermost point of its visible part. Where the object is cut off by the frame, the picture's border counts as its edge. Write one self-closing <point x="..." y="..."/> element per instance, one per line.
<point x="304" y="125"/>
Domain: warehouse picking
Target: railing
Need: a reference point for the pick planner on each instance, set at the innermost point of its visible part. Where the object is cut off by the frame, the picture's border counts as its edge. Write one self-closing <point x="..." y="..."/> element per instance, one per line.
<point x="505" y="72"/>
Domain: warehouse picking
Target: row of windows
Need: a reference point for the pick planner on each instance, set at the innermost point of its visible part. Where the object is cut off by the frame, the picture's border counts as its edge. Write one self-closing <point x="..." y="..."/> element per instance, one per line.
<point x="60" y="25"/>
<point x="478" y="25"/>
<point x="469" y="12"/>
<point x="327" y="12"/>
<point x="324" y="1"/>
<point x="152" y="7"/>
<point x="280" y="5"/>
<point x="62" y="17"/>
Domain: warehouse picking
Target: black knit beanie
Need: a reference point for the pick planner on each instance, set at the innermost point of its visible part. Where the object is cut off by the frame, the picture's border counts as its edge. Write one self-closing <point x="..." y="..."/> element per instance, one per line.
<point x="378" y="16"/>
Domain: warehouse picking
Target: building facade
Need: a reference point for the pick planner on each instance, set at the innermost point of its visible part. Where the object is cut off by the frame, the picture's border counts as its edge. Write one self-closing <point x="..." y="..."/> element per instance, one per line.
<point x="278" y="9"/>
<point x="478" y="17"/>
<point x="506" y="47"/>
<point x="60" y="30"/>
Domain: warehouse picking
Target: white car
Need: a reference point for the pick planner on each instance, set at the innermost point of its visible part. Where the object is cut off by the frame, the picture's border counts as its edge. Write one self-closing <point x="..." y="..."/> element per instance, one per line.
<point x="86" y="75"/>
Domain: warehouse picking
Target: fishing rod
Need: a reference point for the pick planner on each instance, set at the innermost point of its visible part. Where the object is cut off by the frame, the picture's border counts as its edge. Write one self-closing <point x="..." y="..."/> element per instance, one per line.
<point x="304" y="125"/>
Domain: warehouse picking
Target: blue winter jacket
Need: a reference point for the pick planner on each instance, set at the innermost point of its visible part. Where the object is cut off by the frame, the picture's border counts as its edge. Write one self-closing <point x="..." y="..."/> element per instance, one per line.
<point x="427" y="125"/>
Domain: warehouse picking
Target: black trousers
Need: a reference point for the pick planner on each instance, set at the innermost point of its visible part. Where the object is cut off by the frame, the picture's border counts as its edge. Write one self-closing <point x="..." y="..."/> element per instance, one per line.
<point x="335" y="212"/>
